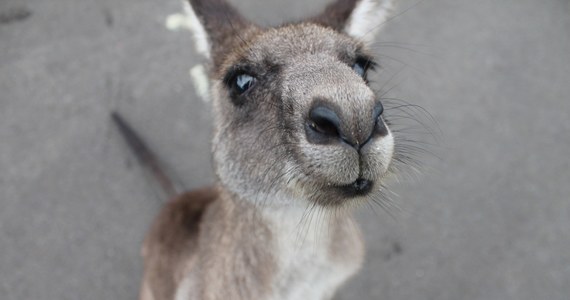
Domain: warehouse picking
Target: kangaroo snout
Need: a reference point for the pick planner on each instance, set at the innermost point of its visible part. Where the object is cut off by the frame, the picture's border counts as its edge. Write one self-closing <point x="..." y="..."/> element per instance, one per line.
<point x="327" y="125"/>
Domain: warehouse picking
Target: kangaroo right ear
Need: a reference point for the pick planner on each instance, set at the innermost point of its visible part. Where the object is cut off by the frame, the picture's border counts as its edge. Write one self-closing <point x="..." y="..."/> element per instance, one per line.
<point x="214" y="24"/>
<point x="360" y="19"/>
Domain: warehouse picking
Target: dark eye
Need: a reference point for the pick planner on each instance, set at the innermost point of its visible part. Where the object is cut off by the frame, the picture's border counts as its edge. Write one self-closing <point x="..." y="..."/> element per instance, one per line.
<point x="243" y="82"/>
<point x="362" y="66"/>
<point x="359" y="69"/>
<point x="239" y="80"/>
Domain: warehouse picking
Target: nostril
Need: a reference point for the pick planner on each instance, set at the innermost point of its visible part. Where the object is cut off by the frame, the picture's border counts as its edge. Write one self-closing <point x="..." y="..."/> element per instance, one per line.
<point x="378" y="110"/>
<point x="380" y="129"/>
<point x="324" y="121"/>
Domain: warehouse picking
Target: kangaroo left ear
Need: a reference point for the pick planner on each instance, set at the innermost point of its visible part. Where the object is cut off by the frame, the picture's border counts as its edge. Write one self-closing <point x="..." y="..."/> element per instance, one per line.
<point x="215" y="23"/>
<point x="361" y="19"/>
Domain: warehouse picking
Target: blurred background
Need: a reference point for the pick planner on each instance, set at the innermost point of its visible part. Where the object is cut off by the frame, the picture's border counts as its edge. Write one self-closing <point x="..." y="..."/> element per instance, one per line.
<point x="489" y="218"/>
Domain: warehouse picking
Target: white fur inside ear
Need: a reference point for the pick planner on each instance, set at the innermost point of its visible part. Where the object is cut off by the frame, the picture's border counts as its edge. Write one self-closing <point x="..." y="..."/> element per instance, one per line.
<point x="189" y="21"/>
<point x="194" y="25"/>
<point x="176" y="22"/>
<point x="367" y="18"/>
<point x="201" y="82"/>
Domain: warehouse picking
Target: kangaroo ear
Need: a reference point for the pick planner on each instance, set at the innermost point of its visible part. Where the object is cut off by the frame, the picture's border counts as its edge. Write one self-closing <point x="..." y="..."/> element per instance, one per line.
<point x="215" y="24"/>
<point x="360" y="19"/>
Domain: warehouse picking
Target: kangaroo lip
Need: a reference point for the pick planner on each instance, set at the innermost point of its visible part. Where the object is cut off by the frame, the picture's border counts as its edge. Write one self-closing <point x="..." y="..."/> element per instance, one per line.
<point x="360" y="187"/>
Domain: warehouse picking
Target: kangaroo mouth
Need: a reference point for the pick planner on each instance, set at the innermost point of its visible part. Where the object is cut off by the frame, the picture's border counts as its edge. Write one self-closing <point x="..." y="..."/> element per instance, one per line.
<point x="360" y="187"/>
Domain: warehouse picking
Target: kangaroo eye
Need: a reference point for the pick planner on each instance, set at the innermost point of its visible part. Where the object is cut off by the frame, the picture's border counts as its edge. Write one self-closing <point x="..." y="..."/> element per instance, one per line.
<point x="238" y="81"/>
<point x="359" y="69"/>
<point x="243" y="82"/>
<point x="362" y="65"/>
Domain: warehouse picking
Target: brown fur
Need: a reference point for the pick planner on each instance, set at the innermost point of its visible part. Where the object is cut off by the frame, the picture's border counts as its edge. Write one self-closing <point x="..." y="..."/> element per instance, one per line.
<point x="230" y="238"/>
<point x="205" y="223"/>
<point x="172" y="241"/>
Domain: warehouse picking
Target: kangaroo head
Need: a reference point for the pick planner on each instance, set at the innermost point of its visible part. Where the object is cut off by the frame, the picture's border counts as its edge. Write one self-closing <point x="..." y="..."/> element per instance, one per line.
<point x="294" y="113"/>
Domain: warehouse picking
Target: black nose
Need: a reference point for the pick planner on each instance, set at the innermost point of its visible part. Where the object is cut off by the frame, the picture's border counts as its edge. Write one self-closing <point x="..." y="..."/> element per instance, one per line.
<point x="325" y="126"/>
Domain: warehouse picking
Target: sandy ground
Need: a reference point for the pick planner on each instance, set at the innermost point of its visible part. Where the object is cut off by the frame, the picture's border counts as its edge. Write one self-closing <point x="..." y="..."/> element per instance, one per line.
<point x="489" y="219"/>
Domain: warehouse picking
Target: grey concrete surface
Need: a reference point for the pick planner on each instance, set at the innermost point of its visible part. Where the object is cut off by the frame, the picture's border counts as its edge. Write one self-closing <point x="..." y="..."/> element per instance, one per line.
<point x="489" y="219"/>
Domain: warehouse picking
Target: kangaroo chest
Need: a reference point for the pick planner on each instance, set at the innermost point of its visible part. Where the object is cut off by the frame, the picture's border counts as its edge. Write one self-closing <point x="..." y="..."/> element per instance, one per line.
<point x="306" y="274"/>
<point x="290" y="259"/>
<point x="311" y="261"/>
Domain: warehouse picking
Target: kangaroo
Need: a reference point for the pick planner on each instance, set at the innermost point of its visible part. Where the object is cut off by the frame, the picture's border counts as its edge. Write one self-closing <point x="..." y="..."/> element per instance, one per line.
<point x="299" y="139"/>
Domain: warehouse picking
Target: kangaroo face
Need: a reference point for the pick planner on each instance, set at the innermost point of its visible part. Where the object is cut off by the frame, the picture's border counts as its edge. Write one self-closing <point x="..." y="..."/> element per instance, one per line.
<point x="293" y="110"/>
<point x="295" y="113"/>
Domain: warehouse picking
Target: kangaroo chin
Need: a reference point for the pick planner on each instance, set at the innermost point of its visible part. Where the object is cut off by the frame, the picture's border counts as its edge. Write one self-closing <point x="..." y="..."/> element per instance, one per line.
<point x="299" y="138"/>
